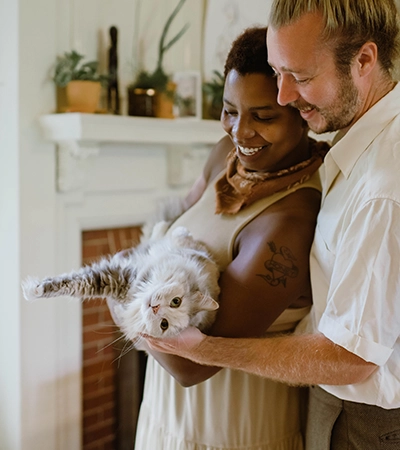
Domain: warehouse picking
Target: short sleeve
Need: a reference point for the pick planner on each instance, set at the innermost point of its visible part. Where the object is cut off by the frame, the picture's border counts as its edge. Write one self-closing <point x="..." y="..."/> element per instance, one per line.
<point x="363" y="305"/>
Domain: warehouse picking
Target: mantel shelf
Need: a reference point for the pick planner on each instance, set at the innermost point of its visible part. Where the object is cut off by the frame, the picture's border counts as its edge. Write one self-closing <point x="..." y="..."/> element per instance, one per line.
<point x="80" y="136"/>
<point x="102" y="128"/>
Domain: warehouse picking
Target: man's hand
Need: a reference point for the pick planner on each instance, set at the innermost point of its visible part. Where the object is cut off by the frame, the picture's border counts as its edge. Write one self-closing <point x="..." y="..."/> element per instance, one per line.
<point x="184" y="344"/>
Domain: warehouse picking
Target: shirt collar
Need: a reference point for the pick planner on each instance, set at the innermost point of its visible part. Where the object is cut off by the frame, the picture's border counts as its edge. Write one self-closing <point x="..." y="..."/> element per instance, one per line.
<point x="350" y="147"/>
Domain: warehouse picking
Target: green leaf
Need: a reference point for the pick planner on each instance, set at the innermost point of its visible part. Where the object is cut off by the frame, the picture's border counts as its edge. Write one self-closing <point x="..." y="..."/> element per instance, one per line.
<point x="69" y="67"/>
<point x="162" y="48"/>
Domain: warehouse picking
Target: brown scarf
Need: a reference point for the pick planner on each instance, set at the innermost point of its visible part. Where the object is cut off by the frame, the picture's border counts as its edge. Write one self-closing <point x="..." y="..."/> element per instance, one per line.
<point x="238" y="187"/>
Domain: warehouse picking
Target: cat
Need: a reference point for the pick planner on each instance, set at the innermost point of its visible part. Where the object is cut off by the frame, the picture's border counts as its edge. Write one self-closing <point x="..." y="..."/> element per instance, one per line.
<point x="164" y="285"/>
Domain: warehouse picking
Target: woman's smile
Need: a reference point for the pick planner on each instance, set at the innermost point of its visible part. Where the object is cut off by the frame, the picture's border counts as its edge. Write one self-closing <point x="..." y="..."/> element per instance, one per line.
<point x="250" y="151"/>
<point x="251" y="116"/>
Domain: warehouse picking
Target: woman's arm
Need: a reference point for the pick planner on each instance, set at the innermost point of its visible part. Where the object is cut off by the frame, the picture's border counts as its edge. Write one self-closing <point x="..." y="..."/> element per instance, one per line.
<point x="252" y="296"/>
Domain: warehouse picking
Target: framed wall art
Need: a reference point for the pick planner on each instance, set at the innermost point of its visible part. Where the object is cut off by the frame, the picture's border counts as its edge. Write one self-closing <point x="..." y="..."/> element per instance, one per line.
<point x="188" y="94"/>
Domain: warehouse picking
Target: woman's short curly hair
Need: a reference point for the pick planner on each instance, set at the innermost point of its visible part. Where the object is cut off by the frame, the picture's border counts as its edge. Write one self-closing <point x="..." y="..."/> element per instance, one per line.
<point x="248" y="53"/>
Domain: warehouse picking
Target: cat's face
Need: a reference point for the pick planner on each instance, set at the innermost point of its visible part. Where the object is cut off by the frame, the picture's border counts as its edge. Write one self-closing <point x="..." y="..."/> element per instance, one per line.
<point x="167" y="309"/>
<point x="163" y="302"/>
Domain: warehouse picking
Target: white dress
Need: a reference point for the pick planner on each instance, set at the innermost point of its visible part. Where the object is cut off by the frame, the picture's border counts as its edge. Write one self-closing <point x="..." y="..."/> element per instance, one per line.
<point x="231" y="410"/>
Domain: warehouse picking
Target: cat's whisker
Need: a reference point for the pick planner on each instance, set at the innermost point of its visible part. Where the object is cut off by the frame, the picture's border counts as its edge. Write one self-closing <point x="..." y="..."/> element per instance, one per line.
<point x="125" y="350"/>
<point x="111" y="343"/>
<point x="105" y="330"/>
<point x="112" y="325"/>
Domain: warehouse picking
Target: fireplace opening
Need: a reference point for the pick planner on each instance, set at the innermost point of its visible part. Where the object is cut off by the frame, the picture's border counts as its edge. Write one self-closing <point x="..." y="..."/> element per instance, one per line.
<point x="112" y="378"/>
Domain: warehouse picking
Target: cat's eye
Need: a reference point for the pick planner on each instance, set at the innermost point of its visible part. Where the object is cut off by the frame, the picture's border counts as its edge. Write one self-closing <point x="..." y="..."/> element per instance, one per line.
<point x="164" y="324"/>
<point x="175" y="302"/>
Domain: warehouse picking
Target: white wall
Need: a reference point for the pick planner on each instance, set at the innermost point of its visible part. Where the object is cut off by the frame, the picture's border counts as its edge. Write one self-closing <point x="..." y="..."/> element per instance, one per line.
<point x="32" y="33"/>
<point x="10" y="325"/>
<point x="37" y="199"/>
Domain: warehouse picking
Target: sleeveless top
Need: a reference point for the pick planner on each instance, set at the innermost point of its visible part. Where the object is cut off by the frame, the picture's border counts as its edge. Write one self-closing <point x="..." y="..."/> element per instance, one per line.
<point x="232" y="409"/>
<point x="219" y="231"/>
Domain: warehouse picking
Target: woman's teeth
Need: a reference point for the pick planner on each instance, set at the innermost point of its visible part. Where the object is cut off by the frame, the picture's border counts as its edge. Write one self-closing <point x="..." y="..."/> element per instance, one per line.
<point x="249" y="151"/>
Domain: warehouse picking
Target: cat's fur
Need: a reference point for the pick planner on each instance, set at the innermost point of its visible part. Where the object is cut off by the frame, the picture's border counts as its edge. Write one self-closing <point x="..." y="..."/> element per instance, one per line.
<point x="159" y="288"/>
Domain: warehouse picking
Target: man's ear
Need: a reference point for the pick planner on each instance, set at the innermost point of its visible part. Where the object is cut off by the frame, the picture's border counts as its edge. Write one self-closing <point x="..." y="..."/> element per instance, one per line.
<point x="367" y="58"/>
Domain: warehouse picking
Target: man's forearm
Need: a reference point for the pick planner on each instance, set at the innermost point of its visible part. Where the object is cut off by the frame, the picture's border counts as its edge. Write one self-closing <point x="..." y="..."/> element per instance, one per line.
<point x="294" y="359"/>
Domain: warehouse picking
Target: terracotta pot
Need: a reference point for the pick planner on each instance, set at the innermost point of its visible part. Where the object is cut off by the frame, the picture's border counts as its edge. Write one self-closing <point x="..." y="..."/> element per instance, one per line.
<point x="79" y="96"/>
<point x="165" y="102"/>
<point x="164" y="106"/>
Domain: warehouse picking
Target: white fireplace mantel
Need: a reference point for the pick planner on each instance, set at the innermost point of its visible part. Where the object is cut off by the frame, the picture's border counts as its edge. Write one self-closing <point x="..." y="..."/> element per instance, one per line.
<point x="102" y="128"/>
<point x="111" y="172"/>
<point x="79" y="136"/>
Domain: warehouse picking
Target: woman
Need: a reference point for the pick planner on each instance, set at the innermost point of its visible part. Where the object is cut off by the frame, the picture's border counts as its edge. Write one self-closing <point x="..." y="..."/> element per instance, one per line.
<point x="255" y="206"/>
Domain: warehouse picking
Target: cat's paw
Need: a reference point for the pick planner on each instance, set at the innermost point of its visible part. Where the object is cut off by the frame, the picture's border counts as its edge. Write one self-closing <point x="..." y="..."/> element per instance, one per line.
<point x="179" y="232"/>
<point x="32" y="289"/>
<point x="159" y="230"/>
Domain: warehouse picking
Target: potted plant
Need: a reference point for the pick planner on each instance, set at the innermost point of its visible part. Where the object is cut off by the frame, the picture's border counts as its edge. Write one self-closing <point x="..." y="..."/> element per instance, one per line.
<point x="152" y="93"/>
<point x="213" y="93"/>
<point x="78" y="84"/>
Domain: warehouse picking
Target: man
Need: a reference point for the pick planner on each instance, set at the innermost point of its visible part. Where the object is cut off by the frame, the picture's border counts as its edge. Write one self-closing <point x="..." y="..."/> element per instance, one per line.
<point x="333" y="61"/>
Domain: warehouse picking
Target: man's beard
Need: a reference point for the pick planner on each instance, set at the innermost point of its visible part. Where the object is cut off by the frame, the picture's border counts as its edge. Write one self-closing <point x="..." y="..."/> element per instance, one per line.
<point x="340" y="114"/>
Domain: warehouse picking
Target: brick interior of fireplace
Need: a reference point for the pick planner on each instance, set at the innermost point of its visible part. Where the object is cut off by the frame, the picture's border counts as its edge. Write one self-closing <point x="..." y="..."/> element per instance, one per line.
<point x="112" y="385"/>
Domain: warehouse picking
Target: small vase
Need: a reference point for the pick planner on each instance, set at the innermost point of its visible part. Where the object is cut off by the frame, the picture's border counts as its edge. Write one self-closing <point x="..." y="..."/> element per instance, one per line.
<point x="141" y="102"/>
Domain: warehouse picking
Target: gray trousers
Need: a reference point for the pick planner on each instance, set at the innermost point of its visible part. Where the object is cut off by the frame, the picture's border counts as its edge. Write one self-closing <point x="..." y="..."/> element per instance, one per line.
<point x="335" y="424"/>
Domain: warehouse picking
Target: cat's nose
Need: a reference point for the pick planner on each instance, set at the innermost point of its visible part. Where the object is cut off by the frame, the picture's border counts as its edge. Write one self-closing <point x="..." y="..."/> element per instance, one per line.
<point x="155" y="308"/>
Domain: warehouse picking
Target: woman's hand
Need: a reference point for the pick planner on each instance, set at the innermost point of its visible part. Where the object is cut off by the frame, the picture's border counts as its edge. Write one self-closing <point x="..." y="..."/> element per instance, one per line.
<point x="184" y="344"/>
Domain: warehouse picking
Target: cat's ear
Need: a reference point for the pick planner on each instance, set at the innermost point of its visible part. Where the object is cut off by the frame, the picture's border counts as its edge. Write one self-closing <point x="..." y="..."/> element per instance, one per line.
<point x="205" y="303"/>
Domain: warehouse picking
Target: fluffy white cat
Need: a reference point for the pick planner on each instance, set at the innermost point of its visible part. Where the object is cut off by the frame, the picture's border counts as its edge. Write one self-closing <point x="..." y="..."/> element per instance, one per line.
<point x="159" y="288"/>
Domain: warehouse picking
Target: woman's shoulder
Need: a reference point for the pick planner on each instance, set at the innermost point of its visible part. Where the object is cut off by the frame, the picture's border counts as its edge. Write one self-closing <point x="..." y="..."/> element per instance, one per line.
<point x="301" y="206"/>
<point x="293" y="215"/>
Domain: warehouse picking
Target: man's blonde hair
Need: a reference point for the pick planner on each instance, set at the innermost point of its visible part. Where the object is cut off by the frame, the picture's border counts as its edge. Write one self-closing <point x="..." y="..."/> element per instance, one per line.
<point x="349" y="24"/>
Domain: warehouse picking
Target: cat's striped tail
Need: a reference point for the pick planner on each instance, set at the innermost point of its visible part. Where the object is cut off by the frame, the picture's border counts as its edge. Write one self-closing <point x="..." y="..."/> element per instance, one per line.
<point x="111" y="283"/>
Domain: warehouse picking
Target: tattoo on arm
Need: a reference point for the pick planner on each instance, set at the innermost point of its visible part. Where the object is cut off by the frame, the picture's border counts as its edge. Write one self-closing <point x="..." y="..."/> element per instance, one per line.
<point x="280" y="266"/>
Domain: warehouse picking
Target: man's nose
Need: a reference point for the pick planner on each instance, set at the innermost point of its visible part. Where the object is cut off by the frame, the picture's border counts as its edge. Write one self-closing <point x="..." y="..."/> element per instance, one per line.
<point x="287" y="92"/>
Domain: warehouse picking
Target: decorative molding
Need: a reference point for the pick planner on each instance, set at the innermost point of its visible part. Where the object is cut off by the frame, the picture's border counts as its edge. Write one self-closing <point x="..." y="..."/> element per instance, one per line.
<point x="71" y="163"/>
<point x="79" y="138"/>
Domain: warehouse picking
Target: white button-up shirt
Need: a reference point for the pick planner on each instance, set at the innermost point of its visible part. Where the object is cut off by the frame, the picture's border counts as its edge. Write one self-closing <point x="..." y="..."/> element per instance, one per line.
<point x="355" y="258"/>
